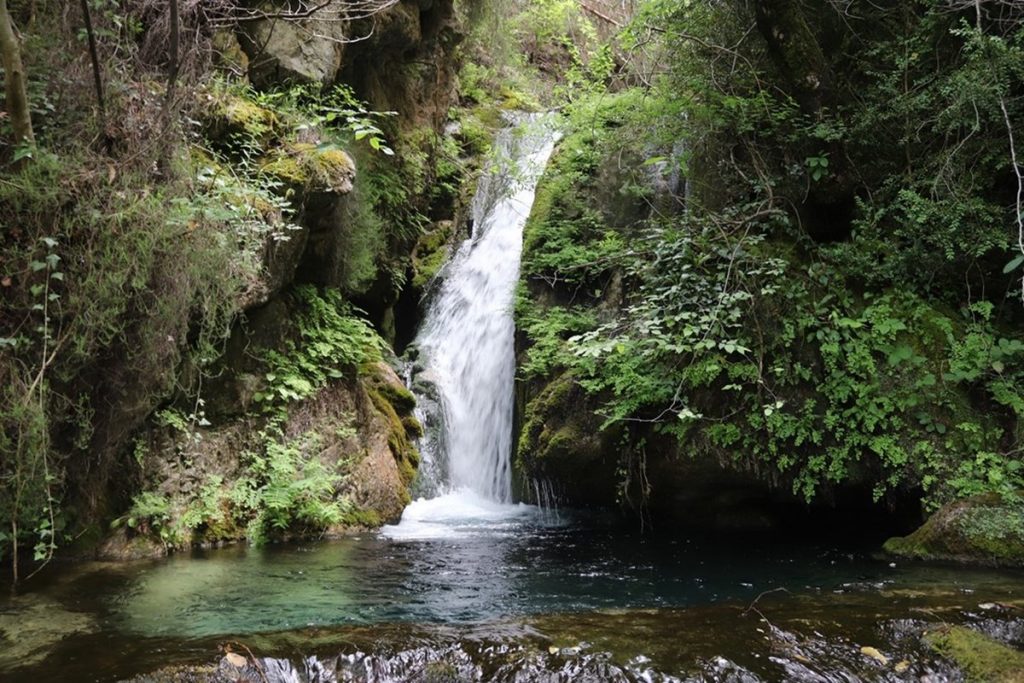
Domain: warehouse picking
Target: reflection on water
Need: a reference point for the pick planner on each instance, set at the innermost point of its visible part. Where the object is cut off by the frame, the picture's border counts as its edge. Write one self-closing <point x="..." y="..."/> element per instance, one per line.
<point x="502" y="585"/>
<point x="479" y="561"/>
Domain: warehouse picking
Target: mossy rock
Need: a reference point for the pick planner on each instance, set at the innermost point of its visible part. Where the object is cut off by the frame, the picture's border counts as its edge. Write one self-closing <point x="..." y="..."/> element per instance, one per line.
<point x="982" y="530"/>
<point x="230" y="119"/>
<point x="228" y="53"/>
<point x="413" y="427"/>
<point x="431" y="253"/>
<point x="477" y="128"/>
<point x="360" y="517"/>
<point x="390" y="388"/>
<point x="305" y="168"/>
<point x="982" y="659"/>
<point x="562" y="442"/>
<point x="396" y="403"/>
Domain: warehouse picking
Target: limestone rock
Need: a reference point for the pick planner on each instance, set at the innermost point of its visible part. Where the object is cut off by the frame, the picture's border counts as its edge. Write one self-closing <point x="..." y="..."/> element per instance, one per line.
<point x="303" y="51"/>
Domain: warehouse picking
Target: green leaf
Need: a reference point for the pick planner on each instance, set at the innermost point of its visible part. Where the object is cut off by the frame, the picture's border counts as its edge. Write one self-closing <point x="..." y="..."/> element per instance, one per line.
<point x="24" y="152"/>
<point x="900" y="354"/>
<point x="1014" y="264"/>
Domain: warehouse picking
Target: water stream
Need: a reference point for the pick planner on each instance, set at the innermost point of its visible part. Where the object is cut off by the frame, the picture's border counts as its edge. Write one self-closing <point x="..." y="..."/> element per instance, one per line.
<point x="472" y="586"/>
<point x="466" y="341"/>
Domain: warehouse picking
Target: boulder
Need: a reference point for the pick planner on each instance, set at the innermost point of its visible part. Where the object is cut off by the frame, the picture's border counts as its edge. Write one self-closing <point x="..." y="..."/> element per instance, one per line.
<point x="985" y="530"/>
<point x="300" y="51"/>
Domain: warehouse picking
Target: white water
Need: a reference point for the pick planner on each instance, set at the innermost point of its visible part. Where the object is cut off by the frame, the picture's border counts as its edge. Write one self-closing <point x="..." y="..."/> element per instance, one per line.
<point x="466" y="347"/>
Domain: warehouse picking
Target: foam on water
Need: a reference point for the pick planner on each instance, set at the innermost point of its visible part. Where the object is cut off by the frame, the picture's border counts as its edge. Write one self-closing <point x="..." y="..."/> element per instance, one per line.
<point x="460" y="513"/>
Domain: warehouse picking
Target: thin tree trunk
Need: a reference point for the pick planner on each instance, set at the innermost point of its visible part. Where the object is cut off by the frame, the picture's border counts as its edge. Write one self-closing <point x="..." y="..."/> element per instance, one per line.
<point x="14" y="71"/>
<point x="95" y="57"/>
<point x="172" y="82"/>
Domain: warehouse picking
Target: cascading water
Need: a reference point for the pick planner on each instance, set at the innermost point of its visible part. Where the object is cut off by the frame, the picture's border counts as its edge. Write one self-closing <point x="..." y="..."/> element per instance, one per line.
<point x="466" y="343"/>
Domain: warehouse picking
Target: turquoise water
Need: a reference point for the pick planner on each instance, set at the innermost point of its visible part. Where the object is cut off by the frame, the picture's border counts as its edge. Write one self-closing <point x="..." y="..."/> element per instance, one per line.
<point x="502" y="580"/>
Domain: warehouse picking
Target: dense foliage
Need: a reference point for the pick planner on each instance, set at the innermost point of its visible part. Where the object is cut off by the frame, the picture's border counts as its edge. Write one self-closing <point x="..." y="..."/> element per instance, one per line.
<point x="158" y="205"/>
<point x="833" y="296"/>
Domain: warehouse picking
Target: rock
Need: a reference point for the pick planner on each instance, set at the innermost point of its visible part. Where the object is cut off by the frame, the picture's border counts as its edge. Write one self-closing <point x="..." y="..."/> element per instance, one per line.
<point x="310" y="168"/>
<point x="981" y="530"/>
<point x="872" y="652"/>
<point x="120" y="547"/>
<point x="305" y="51"/>
<point x="228" y="53"/>
<point x="982" y="659"/>
<point x="236" y="660"/>
<point x="32" y="626"/>
<point x="431" y="253"/>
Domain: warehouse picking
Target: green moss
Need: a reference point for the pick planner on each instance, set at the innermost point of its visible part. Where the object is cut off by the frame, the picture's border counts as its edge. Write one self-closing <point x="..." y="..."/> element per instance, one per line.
<point x="359" y="517"/>
<point x="979" y="530"/>
<point x="475" y="134"/>
<point x="982" y="659"/>
<point x="431" y="253"/>
<point x="401" y="428"/>
<point x="396" y="395"/>
<point x="407" y="469"/>
<point x="536" y="441"/>
<point x="413" y="427"/>
<point x="245" y="114"/>
<point x="428" y="268"/>
<point x="232" y="121"/>
<point x="517" y="100"/>
<point x="308" y="167"/>
<point x="286" y="169"/>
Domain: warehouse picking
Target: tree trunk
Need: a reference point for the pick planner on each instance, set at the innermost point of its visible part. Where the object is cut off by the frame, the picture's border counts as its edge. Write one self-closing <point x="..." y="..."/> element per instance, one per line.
<point x="14" y="72"/>
<point x="164" y="159"/>
<point x="94" y="57"/>
<point x="794" y="48"/>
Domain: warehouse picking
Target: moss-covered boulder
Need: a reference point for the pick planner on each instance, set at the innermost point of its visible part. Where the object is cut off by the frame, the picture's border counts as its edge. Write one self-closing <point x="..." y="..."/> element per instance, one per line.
<point x="342" y="459"/>
<point x="395" y="403"/>
<point x="984" y="530"/>
<point x="308" y="168"/>
<point x="982" y="659"/>
<point x="229" y="119"/>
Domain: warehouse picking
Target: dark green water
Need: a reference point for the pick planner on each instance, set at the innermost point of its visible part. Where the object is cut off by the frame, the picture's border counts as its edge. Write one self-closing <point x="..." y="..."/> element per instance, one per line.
<point x="507" y="578"/>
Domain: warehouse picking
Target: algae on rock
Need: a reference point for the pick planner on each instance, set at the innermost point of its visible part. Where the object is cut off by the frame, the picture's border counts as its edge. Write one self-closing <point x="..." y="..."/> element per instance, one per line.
<point x="982" y="659"/>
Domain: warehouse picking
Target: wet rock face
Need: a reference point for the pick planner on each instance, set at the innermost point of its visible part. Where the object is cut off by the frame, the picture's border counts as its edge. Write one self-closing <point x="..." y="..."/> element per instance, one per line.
<point x="981" y="530"/>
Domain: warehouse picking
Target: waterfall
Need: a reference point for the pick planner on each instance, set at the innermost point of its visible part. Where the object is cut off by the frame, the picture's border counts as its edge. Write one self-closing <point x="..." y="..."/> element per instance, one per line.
<point x="465" y="345"/>
<point x="464" y="356"/>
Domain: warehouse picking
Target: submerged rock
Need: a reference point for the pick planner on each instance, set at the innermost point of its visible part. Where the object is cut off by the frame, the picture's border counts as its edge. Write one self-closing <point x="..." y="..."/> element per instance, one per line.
<point x="32" y="626"/>
<point x="981" y="530"/>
